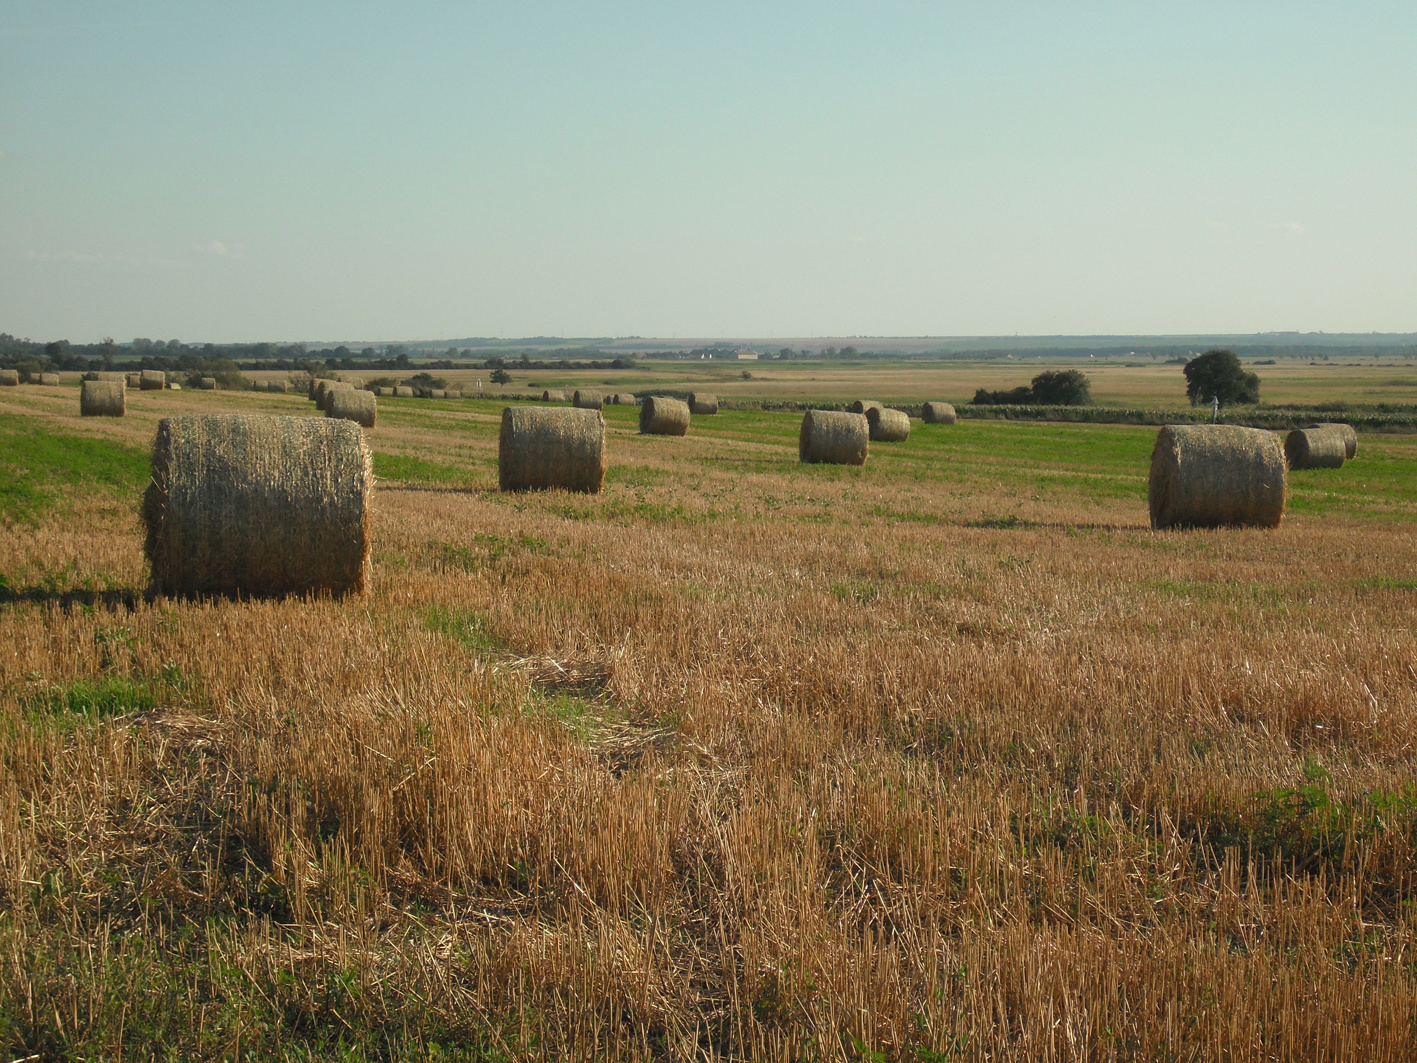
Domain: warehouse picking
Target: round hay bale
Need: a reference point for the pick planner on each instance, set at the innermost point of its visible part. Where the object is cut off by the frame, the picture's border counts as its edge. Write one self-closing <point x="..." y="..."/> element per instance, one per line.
<point x="207" y="383"/>
<point x="9" y="378"/>
<point x="403" y="392"/>
<point x="258" y="506"/>
<point x="313" y="392"/>
<point x="260" y="385"/>
<point x="702" y="405"/>
<point x="279" y="387"/>
<point x="49" y="380"/>
<point x="451" y="394"/>
<point x="175" y="387"/>
<point x="1215" y="475"/>
<point x="558" y="447"/>
<point x="938" y="413"/>
<point x="355" y="382"/>
<point x="626" y="398"/>
<point x="128" y="379"/>
<point x="437" y="393"/>
<point x="328" y="394"/>
<point x="1350" y="437"/>
<point x="349" y="404"/>
<point x="546" y="396"/>
<point x="152" y="380"/>
<point x="384" y="392"/>
<point x="133" y="380"/>
<point x="103" y="398"/>
<point x="862" y="405"/>
<point x="833" y="438"/>
<point x="660" y="416"/>
<point x="1315" y="448"/>
<point x="887" y="425"/>
<point x="587" y="400"/>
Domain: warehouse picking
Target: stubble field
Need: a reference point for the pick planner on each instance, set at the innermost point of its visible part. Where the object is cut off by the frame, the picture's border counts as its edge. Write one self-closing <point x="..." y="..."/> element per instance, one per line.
<point x="947" y="757"/>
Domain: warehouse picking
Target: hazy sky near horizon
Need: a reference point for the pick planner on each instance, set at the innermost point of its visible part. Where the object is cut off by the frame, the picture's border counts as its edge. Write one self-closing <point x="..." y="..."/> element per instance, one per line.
<point x="356" y="170"/>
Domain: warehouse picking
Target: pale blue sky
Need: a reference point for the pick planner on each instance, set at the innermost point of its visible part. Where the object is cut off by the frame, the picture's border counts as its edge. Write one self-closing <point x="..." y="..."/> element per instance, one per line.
<point x="402" y="171"/>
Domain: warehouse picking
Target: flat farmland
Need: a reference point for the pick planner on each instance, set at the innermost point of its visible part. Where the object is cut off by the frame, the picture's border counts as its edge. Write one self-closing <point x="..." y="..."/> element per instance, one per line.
<point x="948" y="757"/>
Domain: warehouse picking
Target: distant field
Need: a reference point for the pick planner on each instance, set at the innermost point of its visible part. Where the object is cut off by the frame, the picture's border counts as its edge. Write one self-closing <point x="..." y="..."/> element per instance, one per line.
<point x="948" y="757"/>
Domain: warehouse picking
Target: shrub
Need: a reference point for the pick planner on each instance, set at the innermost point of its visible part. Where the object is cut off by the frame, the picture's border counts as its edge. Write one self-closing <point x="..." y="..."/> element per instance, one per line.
<point x="1218" y="374"/>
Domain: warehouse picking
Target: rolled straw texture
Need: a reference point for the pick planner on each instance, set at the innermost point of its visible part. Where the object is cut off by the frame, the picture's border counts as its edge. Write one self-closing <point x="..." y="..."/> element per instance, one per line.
<point x="207" y="383"/>
<point x="385" y="392"/>
<point x="103" y="398"/>
<point x="938" y="413"/>
<point x="1350" y="437"/>
<point x="833" y="438"/>
<point x="557" y="447"/>
<point x="660" y="416"/>
<point x="1210" y="475"/>
<point x="702" y="405"/>
<point x="862" y="405"/>
<point x="887" y="425"/>
<point x="152" y="380"/>
<point x="328" y="394"/>
<point x="49" y="379"/>
<point x="258" y="506"/>
<point x="347" y="404"/>
<point x="587" y="400"/>
<point x="278" y="386"/>
<point x="133" y="380"/>
<point x="9" y="378"/>
<point x="1315" y="448"/>
<point x="129" y="379"/>
<point x="403" y="392"/>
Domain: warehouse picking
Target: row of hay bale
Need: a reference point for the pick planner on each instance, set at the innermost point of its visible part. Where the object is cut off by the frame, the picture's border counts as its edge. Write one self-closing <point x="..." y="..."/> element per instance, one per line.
<point x="10" y="378"/>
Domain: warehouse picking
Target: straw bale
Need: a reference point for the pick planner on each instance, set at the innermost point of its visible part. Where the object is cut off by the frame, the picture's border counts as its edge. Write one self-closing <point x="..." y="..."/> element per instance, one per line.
<point x="451" y="394"/>
<point x="557" y="447"/>
<point x="546" y="396"/>
<point x="9" y="378"/>
<point x="103" y="398"/>
<point x="938" y="413"/>
<point x="355" y="382"/>
<point x="256" y="506"/>
<point x="437" y="393"/>
<point x="350" y="404"/>
<point x="1315" y="448"/>
<point x="258" y="385"/>
<point x="49" y="380"/>
<point x="174" y="387"/>
<point x="207" y="383"/>
<point x="403" y="392"/>
<point x="1214" y="475"/>
<point x="128" y="379"/>
<point x="280" y="387"/>
<point x="132" y="380"/>
<point x="862" y="405"/>
<point x="834" y="438"/>
<point x="384" y="392"/>
<point x="1350" y="437"/>
<point x="152" y="380"/>
<point x="702" y="404"/>
<point x="660" y="416"/>
<point x="887" y="425"/>
<point x="587" y="400"/>
<point x="625" y="398"/>
<point x="328" y="393"/>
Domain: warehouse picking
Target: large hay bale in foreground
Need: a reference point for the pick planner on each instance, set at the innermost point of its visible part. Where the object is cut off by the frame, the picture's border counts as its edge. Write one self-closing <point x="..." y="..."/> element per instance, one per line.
<point x="833" y="438"/>
<point x="9" y="378"/>
<point x="938" y="413"/>
<point x="702" y="404"/>
<point x="152" y="380"/>
<point x="660" y="416"/>
<point x="587" y="399"/>
<point x="258" y="506"/>
<point x="348" y="404"/>
<point x="49" y="380"/>
<point x="1350" y="437"/>
<point x="887" y="425"/>
<point x="862" y="405"/>
<point x="558" y="447"/>
<point x="1315" y="448"/>
<point x="402" y="391"/>
<point x="103" y="398"/>
<point x="1214" y="475"/>
<point x="206" y="383"/>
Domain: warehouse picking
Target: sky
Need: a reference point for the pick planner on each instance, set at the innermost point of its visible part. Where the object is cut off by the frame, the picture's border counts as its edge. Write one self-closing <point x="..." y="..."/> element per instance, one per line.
<point x="391" y="171"/>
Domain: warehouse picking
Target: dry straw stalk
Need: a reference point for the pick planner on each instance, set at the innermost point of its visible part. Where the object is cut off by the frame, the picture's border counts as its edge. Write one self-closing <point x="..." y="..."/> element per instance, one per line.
<point x="347" y="404"/>
<point x="258" y="506"/>
<point x="152" y="380"/>
<point x="1209" y="476"/>
<point x="1315" y="448"/>
<point x="587" y="400"/>
<point x="103" y="398"/>
<point x="559" y="447"/>
<point x="938" y="413"/>
<point x="833" y="438"/>
<point x="661" y="416"/>
<point x="702" y="405"/>
<point x="887" y="425"/>
<point x="1350" y="437"/>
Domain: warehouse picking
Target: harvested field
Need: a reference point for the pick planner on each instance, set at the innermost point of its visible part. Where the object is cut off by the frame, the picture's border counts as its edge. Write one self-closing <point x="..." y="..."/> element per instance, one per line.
<point x="946" y="756"/>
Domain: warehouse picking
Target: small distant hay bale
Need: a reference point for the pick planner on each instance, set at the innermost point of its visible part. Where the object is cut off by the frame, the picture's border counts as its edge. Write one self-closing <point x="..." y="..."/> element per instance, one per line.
<point x="384" y="392"/>
<point x="133" y="380"/>
<point x="403" y="392"/>
<point x="9" y="378"/>
<point x="437" y="393"/>
<point x="452" y="394"/>
<point x="260" y="385"/>
<point x="546" y="396"/>
<point x="560" y="447"/>
<point x="49" y="380"/>
<point x="862" y="405"/>
<point x="1350" y="437"/>
<point x="1211" y="476"/>
<point x="938" y="413"/>
<point x="252" y="506"/>
<point x="626" y="398"/>
<point x="349" y="404"/>
<point x="128" y="379"/>
<point x="587" y="400"/>
<point x="355" y="382"/>
<point x="152" y="380"/>
<point x="661" y="416"/>
<point x="207" y="383"/>
<point x="702" y="405"/>
<point x="174" y="387"/>
<point x="1315" y="448"/>
<point x="103" y="398"/>
<point x="888" y="425"/>
<point x="280" y="387"/>
<point x="318" y="387"/>
<point x="328" y="393"/>
<point x="832" y="438"/>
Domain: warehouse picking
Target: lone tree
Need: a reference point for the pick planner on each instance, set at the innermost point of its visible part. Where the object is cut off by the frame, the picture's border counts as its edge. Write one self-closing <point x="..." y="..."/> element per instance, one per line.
<point x="1219" y="375"/>
<point x="1062" y="387"/>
